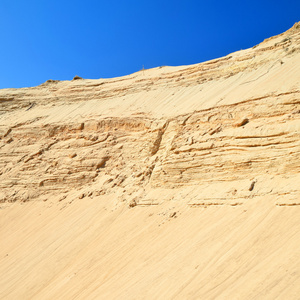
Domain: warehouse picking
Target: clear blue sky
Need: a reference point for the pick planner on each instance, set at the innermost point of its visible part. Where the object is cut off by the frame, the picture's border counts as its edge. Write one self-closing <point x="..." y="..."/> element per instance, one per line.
<point x="41" y="40"/>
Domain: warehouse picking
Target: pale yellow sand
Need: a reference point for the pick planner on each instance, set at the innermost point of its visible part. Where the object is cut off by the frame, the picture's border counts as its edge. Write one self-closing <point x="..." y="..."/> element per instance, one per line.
<point x="89" y="250"/>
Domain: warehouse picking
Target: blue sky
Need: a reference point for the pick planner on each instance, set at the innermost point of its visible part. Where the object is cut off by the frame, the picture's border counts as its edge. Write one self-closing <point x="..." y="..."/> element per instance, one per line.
<point x="41" y="40"/>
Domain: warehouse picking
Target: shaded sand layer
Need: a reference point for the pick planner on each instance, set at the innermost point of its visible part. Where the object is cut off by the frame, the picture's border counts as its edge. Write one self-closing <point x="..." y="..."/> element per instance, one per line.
<point x="170" y="183"/>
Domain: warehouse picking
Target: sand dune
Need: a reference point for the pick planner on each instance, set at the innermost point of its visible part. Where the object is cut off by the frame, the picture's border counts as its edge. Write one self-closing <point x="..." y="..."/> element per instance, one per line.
<point x="169" y="183"/>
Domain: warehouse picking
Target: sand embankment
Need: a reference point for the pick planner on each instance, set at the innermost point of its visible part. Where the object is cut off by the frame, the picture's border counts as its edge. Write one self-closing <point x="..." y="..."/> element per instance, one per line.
<point x="170" y="183"/>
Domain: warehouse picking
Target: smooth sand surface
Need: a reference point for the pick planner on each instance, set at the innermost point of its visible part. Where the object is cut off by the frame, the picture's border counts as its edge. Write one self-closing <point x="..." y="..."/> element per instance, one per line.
<point x="91" y="250"/>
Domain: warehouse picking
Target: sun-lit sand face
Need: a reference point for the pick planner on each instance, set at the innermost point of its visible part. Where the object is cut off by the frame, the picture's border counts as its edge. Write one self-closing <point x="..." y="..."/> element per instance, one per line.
<point x="170" y="183"/>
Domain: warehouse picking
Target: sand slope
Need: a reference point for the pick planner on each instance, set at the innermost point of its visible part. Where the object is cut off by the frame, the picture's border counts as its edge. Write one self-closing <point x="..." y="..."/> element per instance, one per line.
<point x="89" y="250"/>
<point x="170" y="183"/>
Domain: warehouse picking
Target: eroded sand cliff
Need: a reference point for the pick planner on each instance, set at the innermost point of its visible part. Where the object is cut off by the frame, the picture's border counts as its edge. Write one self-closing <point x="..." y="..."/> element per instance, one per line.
<point x="174" y="182"/>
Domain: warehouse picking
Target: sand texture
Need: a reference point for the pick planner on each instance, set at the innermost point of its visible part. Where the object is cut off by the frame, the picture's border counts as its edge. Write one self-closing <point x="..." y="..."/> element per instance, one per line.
<point x="169" y="183"/>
